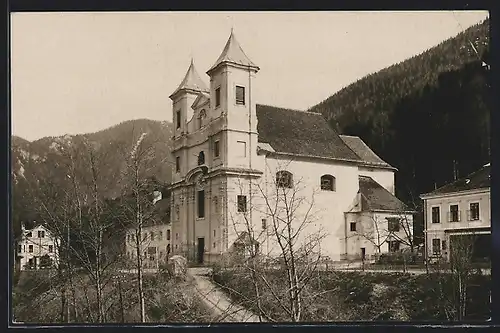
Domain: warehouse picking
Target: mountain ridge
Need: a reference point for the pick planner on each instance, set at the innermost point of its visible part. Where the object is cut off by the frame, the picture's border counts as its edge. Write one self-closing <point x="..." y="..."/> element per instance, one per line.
<point x="410" y="113"/>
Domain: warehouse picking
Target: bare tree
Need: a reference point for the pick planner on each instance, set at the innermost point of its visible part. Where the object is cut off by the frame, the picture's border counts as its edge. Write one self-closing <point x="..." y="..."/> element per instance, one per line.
<point x="462" y="270"/>
<point x="288" y="240"/>
<point x="138" y="206"/>
<point x="75" y="211"/>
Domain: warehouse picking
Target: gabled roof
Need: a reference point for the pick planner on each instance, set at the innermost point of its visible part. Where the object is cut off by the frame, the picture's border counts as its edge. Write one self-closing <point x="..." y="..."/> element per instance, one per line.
<point x="202" y="98"/>
<point x="479" y="179"/>
<point x="363" y="151"/>
<point x="35" y="224"/>
<point x="191" y="82"/>
<point x="374" y="197"/>
<point x="234" y="54"/>
<point x="300" y="133"/>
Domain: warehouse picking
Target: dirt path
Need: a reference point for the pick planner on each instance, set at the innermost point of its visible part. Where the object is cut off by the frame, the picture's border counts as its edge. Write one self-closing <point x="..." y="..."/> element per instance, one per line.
<point x="224" y="309"/>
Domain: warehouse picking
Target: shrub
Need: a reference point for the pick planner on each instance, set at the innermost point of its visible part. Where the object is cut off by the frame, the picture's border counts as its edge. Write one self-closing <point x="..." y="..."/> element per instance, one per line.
<point x="403" y="296"/>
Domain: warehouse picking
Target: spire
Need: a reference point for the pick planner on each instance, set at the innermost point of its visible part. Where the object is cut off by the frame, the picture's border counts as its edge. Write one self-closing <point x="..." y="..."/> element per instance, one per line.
<point x="233" y="53"/>
<point x="192" y="81"/>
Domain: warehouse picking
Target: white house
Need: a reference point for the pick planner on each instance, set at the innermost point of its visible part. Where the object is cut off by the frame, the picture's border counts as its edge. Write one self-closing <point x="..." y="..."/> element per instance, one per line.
<point x="156" y="236"/>
<point x="38" y="248"/>
<point x="231" y="154"/>
<point x="460" y="208"/>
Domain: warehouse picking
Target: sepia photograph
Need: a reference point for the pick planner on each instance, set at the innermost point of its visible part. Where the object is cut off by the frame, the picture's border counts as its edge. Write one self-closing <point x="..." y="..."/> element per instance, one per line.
<point x="210" y="167"/>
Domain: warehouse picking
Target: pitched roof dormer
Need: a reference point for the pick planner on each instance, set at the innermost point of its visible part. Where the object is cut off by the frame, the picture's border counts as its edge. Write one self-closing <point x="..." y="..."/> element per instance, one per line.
<point x="233" y="54"/>
<point x="192" y="82"/>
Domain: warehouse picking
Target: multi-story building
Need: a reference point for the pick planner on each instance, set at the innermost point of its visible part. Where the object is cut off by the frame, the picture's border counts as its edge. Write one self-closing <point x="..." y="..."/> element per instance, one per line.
<point x="231" y="155"/>
<point x="156" y="236"/>
<point x="461" y="208"/>
<point x="38" y="248"/>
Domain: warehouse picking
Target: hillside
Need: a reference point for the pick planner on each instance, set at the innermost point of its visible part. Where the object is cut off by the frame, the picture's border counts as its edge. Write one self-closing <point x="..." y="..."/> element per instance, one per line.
<point x="47" y="159"/>
<point x="422" y="114"/>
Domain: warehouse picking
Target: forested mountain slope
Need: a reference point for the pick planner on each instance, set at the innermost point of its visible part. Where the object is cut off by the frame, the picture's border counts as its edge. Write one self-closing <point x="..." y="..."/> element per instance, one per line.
<point x="428" y="116"/>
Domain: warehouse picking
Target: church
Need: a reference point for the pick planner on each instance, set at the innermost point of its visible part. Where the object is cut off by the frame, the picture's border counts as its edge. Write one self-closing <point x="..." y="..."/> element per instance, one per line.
<point x="245" y="174"/>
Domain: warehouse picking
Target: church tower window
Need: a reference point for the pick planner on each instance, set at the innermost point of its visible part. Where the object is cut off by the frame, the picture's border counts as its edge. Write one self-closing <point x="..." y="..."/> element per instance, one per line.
<point x="216" y="149"/>
<point x="217" y="97"/>
<point x="201" y="158"/>
<point x="178" y="119"/>
<point x="240" y="95"/>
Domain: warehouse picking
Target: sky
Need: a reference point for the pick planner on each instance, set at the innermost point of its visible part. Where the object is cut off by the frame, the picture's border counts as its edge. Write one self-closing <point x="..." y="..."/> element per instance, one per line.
<point x="74" y="73"/>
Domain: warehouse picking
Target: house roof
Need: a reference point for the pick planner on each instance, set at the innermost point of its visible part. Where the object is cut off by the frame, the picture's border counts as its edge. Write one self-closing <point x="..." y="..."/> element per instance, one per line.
<point x="300" y="132"/>
<point x="192" y="81"/>
<point x="32" y="225"/>
<point x="362" y="150"/>
<point x="375" y="197"/>
<point x="233" y="53"/>
<point x="477" y="180"/>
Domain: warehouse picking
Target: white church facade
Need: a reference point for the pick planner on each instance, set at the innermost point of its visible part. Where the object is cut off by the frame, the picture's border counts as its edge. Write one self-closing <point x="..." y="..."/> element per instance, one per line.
<point x="242" y="170"/>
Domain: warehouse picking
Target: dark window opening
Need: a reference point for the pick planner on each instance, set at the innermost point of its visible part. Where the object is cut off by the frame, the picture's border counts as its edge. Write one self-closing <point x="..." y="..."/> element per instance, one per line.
<point x="201" y="204"/>
<point x="436" y="246"/>
<point x="201" y="158"/>
<point x="242" y="203"/>
<point x="454" y="213"/>
<point x="284" y="179"/>
<point x="435" y="215"/>
<point x="168" y="234"/>
<point x="177" y="164"/>
<point x="327" y="183"/>
<point x="240" y="95"/>
<point x="217" y="97"/>
<point x="178" y="119"/>
<point x="394" y="246"/>
<point x="30" y="248"/>
<point x="353" y="226"/>
<point x="393" y="224"/>
<point x="474" y="211"/>
<point x="216" y="148"/>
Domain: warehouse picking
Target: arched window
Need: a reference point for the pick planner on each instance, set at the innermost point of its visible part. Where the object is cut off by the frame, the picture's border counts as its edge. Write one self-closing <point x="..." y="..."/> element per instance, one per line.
<point x="327" y="183"/>
<point x="201" y="118"/>
<point x="201" y="158"/>
<point x="284" y="179"/>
